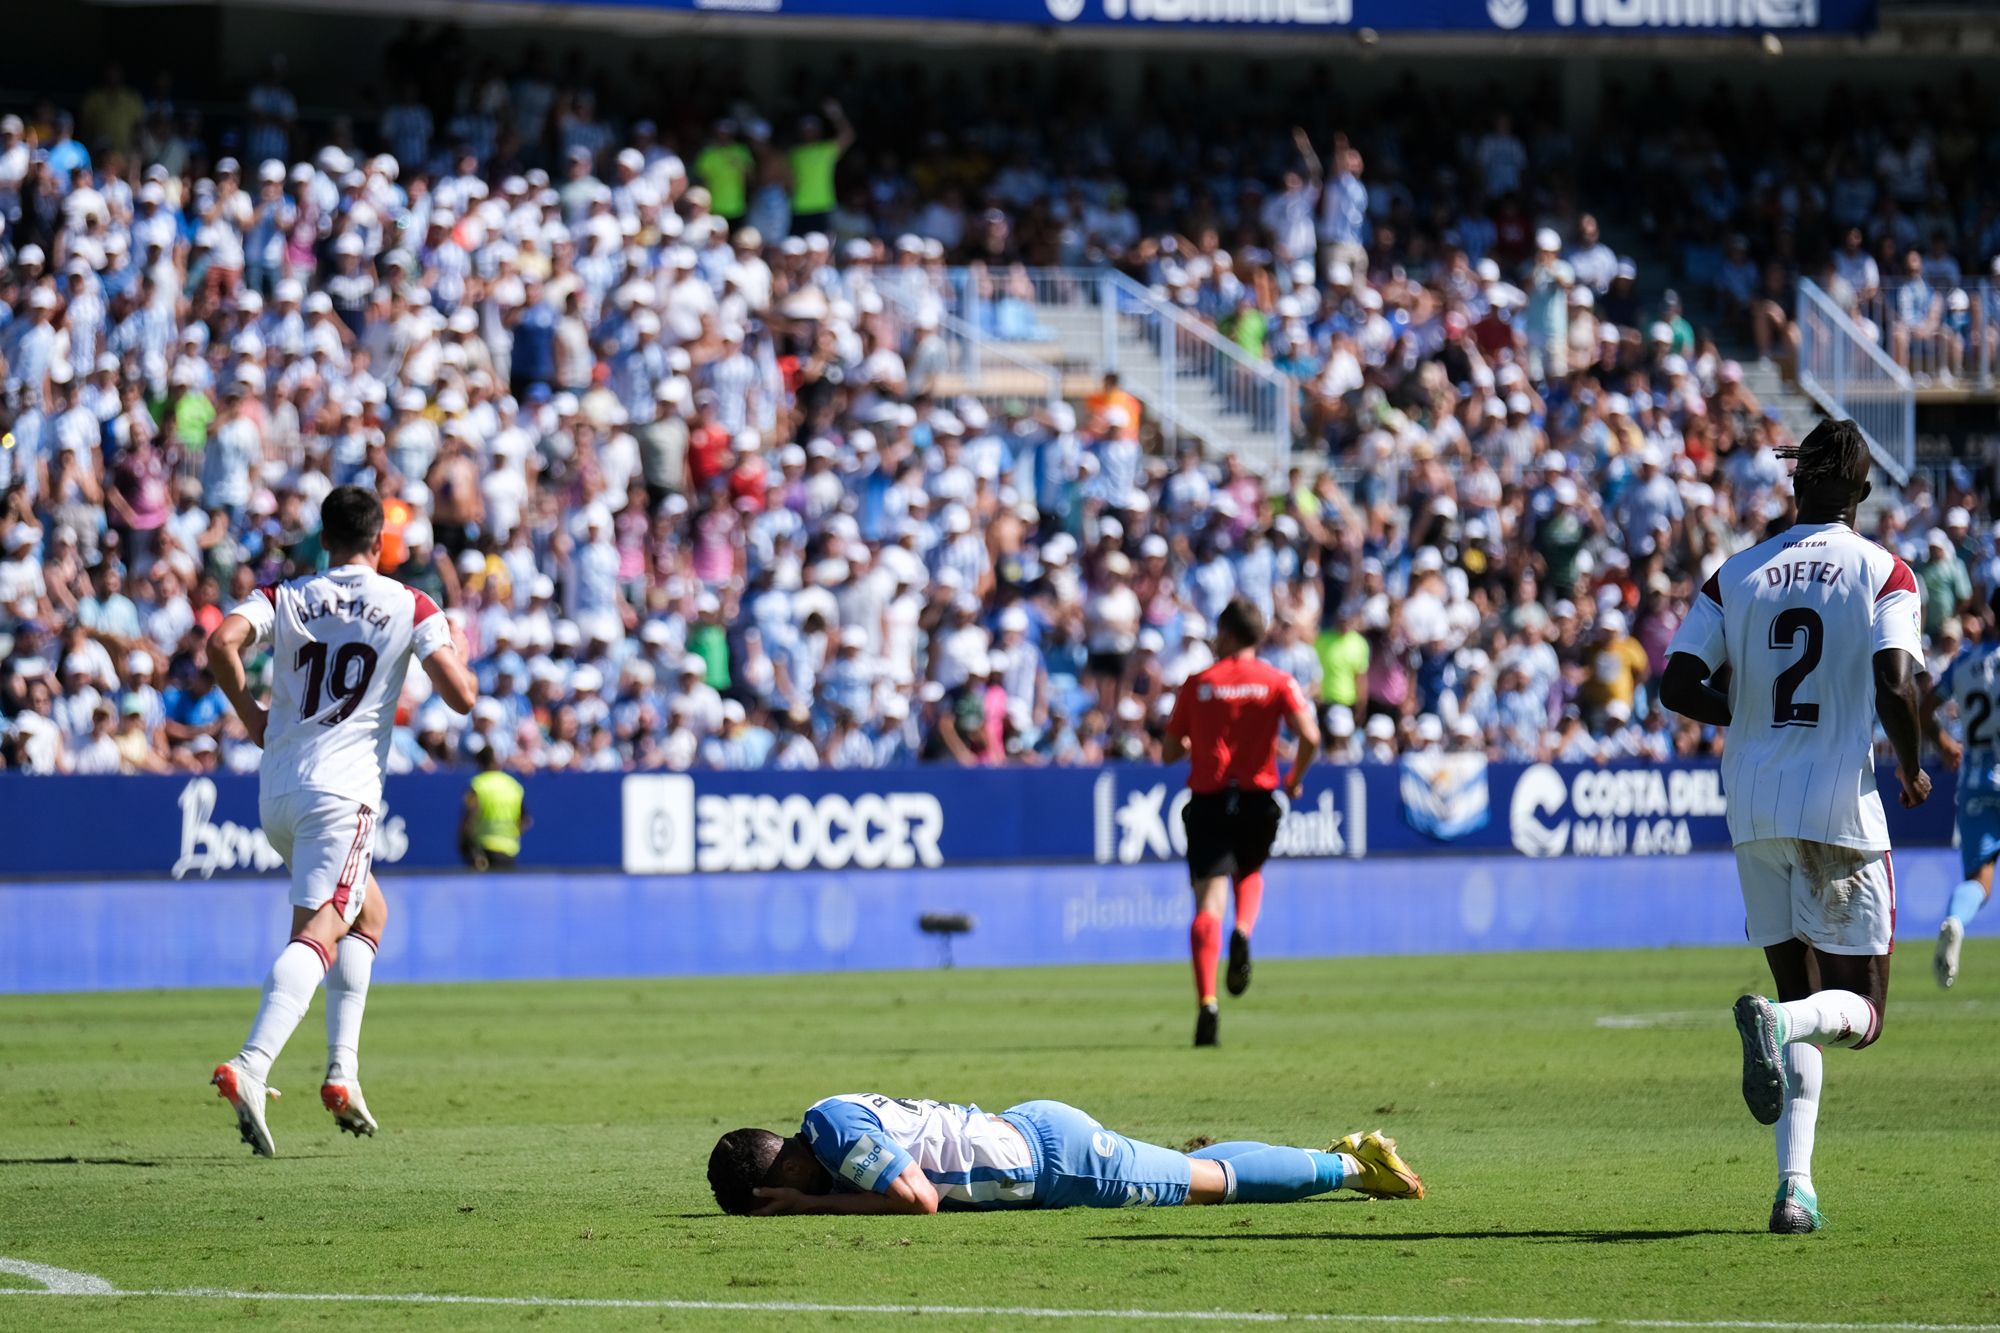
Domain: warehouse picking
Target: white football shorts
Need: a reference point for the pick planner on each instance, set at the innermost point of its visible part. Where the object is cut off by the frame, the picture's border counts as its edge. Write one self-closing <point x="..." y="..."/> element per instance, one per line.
<point x="328" y="843"/>
<point x="1837" y="899"/>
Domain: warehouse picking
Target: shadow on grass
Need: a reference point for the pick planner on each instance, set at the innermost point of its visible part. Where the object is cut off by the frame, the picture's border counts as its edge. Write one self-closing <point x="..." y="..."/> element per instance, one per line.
<point x="78" y="1161"/>
<point x="1591" y="1236"/>
<point x="1052" y="1048"/>
<point x="146" y="1163"/>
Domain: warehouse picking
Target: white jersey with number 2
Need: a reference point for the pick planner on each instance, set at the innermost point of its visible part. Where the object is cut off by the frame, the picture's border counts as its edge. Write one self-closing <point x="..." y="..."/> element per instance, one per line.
<point x="1799" y="618"/>
<point x="341" y="643"/>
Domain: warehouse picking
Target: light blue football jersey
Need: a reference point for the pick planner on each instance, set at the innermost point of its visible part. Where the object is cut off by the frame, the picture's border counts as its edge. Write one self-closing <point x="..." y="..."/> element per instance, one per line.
<point x="1972" y="682"/>
<point x="973" y="1159"/>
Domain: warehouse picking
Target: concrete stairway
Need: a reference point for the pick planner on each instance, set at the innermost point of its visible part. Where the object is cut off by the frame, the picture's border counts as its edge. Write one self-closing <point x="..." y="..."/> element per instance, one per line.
<point x="1193" y="383"/>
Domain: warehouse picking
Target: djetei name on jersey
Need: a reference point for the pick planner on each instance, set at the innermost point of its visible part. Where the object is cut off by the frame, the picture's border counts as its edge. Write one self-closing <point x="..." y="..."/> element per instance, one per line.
<point x="1803" y="571"/>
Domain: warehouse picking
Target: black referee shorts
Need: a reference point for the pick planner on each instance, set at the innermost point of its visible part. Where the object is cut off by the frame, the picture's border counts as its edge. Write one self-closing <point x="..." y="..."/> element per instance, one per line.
<point x="1229" y="832"/>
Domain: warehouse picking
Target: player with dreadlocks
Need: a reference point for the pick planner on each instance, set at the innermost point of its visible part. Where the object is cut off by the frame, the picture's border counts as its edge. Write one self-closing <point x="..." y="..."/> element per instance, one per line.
<point x="1820" y="631"/>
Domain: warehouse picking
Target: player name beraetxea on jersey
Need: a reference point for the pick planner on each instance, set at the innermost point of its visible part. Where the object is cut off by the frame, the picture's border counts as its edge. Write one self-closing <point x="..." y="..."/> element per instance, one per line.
<point x="341" y="643"/>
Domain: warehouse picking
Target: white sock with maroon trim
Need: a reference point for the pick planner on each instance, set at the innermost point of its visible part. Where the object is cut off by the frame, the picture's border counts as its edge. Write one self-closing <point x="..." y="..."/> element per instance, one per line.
<point x="288" y="992"/>
<point x="1829" y="1018"/>
<point x="1800" y="1117"/>
<point x="346" y="998"/>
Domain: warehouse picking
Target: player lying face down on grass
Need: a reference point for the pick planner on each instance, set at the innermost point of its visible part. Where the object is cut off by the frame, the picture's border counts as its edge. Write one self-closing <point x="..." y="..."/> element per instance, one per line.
<point x="866" y="1153"/>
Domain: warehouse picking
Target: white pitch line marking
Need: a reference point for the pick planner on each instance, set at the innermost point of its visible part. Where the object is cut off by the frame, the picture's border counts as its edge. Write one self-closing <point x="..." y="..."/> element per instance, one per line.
<point x="1693" y="1018"/>
<point x="1685" y="1018"/>
<point x="62" y="1282"/>
<point x="55" y="1281"/>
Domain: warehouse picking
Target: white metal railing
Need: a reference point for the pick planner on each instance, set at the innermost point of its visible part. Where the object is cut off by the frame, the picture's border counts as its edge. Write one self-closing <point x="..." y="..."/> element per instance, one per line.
<point x="1249" y="388"/>
<point x="971" y="354"/>
<point x="1844" y="369"/>
<point x="1942" y="336"/>
<point x="1192" y="379"/>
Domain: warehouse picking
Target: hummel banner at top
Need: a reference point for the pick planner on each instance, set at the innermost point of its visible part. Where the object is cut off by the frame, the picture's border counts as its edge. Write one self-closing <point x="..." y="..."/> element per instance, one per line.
<point x="1539" y="17"/>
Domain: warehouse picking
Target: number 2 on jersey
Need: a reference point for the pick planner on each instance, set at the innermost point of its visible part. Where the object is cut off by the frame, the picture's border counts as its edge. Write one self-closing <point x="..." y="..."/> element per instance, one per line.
<point x="347" y="682"/>
<point x="1978" y="710"/>
<point x="1786" y="628"/>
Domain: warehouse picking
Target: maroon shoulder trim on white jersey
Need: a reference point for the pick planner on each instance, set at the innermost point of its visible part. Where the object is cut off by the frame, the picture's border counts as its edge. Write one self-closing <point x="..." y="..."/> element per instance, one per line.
<point x="426" y="608"/>
<point x="269" y="593"/>
<point x="1900" y="579"/>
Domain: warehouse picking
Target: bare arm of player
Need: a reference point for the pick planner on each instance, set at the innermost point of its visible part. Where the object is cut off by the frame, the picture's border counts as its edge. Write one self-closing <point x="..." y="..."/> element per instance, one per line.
<point x="1896" y="705"/>
<point x="1934" y="731"/>
<point x="912" y="1194"/>
<point x="225" y="659"/>
<point x="1687" y="688"/>
<point x="450" y="676"/>
<point x="1306" y="727"/>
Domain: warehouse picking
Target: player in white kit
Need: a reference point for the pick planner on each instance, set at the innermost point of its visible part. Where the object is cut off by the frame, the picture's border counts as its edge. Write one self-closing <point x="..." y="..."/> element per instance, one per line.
<point x="341" y="642"/>
<point x="1819" y="630"/>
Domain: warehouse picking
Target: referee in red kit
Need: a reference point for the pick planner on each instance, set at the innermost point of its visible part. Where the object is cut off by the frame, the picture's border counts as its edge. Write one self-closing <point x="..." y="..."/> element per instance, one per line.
<point x="1225" y="720"/>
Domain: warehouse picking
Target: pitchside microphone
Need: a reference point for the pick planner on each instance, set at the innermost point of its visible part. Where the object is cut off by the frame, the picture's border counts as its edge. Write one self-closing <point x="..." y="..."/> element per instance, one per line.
<point x="942" y="926"/>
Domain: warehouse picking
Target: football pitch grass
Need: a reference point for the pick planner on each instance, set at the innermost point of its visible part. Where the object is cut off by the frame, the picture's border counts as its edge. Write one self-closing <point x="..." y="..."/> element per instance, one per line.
<point x="1576" y="1117"/>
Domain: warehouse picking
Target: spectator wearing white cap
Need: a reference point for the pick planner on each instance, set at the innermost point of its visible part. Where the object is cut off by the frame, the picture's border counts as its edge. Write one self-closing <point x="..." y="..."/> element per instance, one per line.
<point x="1618" y="669"/>
<point x="414" y="439"/>
<point x="1650" y="498"/>
<point x="1942" y="578"/>
<point x="587" y="561"/>
<point x="1546" y="317"/>
<point x="1381" y="745"/>
<point x="699" y="702"/>
<point x="1594" y="263"/>
<point x="1020" y="671"/>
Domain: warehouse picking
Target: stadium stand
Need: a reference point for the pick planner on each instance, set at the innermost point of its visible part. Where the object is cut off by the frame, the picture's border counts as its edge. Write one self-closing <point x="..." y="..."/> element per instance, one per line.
<point x="782" y="437"/>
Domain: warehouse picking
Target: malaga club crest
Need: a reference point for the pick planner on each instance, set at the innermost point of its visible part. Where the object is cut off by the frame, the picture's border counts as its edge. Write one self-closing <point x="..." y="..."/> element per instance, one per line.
<point x="1444" y="793"/>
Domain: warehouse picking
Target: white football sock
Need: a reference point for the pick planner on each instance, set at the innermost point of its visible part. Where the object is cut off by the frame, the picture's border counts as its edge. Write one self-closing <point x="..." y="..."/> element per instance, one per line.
<point x="1829" y="1018"/>
<point x="288" y="992"/>
<point x="1796" y="1123"/>
<point x="346" y="998"/>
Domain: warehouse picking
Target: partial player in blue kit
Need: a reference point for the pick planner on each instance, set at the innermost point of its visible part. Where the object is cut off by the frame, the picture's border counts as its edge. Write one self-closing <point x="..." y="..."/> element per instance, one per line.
<point x="870" y="1153"/>
<point x="1971" y="684"/>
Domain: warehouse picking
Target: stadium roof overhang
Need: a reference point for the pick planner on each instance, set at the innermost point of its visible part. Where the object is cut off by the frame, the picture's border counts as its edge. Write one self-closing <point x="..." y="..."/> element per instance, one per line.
<point x="1648" y="29"/>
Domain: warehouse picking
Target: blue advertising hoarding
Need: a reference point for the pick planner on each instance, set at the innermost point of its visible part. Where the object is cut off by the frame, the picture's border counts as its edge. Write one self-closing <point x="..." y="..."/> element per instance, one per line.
<point x="193" y="828"/>
<point x="1493" y="17"/>
<point x="124" y="934"/>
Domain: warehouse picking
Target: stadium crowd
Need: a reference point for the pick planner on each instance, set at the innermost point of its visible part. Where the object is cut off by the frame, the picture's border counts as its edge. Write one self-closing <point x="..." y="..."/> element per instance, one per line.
<point x="653" y="417"/>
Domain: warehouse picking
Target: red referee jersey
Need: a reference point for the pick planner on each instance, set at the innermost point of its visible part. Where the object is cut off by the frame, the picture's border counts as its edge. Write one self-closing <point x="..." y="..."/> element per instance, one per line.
<point x="1229" y="716"/>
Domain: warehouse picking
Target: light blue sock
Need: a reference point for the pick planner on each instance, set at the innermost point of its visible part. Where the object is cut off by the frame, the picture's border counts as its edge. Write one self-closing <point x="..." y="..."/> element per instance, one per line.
<point x="1966" y="900"/>
<point x="1268" y="1174"/>
<point x="1224" y="1152"/>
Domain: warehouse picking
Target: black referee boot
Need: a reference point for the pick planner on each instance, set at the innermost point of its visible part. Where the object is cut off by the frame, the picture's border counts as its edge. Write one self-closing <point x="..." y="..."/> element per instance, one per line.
<point x="1237" y="978"/>
<point x="1206" y="1020"/>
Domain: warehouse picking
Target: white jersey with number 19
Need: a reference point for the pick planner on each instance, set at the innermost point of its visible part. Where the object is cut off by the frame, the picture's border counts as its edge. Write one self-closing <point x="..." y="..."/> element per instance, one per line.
<point x="1799" y="618"/>
<point x="341" y="643"/>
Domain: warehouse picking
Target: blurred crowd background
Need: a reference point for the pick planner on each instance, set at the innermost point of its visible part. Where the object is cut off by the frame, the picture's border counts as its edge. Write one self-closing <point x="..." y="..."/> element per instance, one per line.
<point x="652" y="386"/>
